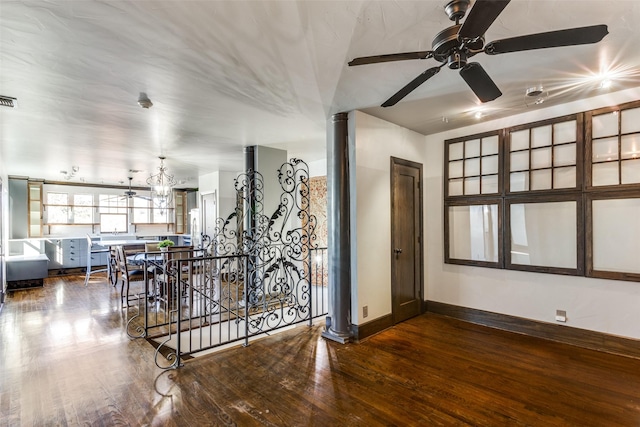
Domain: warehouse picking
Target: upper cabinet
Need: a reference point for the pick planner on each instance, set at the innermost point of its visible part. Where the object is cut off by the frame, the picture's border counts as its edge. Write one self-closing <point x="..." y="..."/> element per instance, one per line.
<point x="34" y="194"/>
<point x="181" y="211"/>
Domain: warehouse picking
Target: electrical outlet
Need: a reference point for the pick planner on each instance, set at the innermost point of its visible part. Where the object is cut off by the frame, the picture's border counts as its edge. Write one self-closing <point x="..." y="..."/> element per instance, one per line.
<point x="365" y="311"/>
<point x="561" y="316"/>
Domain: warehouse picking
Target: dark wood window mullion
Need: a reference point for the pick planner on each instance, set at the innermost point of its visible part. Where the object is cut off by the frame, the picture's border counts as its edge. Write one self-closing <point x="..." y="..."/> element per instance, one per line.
<point x="619" y="147"/>
<point x="480" y="169"/>
<point x="530" y="172"/>
<point x="464" y="167"/>
<point x="553" y="156"/>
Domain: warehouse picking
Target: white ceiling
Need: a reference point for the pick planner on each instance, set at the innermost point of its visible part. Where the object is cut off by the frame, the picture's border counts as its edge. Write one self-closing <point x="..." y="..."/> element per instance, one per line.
<point x="227" y="74"/>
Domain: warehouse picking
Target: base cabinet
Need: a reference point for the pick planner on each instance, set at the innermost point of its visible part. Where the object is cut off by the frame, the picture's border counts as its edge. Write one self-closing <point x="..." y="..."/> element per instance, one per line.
<point x="67" y="253"/>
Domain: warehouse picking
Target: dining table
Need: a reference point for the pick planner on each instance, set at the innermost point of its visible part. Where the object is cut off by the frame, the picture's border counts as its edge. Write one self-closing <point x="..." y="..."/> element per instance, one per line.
<point x="128" y="244"/>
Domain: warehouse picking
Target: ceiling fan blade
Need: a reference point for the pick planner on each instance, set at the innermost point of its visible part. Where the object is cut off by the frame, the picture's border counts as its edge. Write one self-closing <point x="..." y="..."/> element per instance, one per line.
<point x="480" y="82"/>
<point x="425" y="54"/>
<point x="570" y="37"/>
<point x="426" y="75"/>
<point x="480" y="18"/>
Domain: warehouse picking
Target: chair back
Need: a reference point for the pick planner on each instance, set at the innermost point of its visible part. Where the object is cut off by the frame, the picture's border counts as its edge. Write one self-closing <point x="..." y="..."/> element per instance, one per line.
<point x="180" y="253"/>
<point x="121" y="259"/>
<point x="151" y="247"/>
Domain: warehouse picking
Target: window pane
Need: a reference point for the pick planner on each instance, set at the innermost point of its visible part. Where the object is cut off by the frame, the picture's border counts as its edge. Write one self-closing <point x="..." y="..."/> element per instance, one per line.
<point x="473" y="232"/>
<point x="564" y="177"/>
<point x="113" y="223"/>
<point x="472" y="186"/>
<point x="630" y="120"/>
<point x="616" y="235"/>
<point x="630" y="171"/>
<point x="541" y="136"/>
<point x="472" y="167"/>
<point x="110" y="203"/>
<point x="520" y="140"/>
<point x="541" y="179"/>
<point x="605" y="149"/>
<point x="564" y="155"/>
<point x="455" y="169"/>
<point x="490" y="184"/>
<point x="604" y="125"/>
<point x="630" y="146"/>
<point x="544" y="234"/>
<point x="57" y="214"/>
<point x="160" y="216"/>
<point x="57" y="198"/>
<point x="455" y="187"/>
<point x="140" y="211"/>
<point x="519" y="181"/>
<point x="489" y="165"/>
<point x="82" y="215"/>
<point x="83" y="200"/>
<point x="490" y="145"/>
<point x="541" y="158"/>
<point x="519" y="161"/>
<point x="472" y="148"/>
<point x="564" y="132"/>
<point x="605" y="174"/>
<point x="455" y="151"/>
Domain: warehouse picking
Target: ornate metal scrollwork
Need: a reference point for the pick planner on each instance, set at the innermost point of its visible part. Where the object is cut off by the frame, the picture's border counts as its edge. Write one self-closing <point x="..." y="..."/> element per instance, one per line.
<point x="277" y="290"/>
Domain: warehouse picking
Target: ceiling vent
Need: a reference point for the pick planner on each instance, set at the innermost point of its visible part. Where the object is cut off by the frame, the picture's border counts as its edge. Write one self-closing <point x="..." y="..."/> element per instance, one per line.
<point x="7" y="101"/>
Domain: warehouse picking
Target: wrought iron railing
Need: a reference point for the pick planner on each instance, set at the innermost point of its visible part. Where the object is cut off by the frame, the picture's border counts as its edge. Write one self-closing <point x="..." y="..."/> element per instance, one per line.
<point x="195" y="304"/>
<point x="258" y="273"/>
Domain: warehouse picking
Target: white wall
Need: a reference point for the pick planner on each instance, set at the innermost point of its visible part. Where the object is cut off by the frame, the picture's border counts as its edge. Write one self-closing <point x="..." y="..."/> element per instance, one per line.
<point x="221" y="184"/>
<point x="376" y="141"/>
<point x="317" y="168"/>
<point x="594" y="304"/>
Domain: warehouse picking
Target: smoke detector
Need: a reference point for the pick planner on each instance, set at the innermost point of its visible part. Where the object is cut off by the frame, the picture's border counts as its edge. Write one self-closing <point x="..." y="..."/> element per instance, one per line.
<point x="144" y="101"/>
<point x="535" y="95"/>
<point x="534" y="91"/>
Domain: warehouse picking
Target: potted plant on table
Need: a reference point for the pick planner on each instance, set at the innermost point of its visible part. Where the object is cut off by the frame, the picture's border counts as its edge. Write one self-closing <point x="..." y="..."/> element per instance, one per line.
<point x="164" y="245"/>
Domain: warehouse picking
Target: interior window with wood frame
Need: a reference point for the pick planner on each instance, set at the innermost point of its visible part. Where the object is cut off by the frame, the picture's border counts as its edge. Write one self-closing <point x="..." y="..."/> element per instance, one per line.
<point x="472" y="165"/>
<point x="566" y="201"/>
<point x="612" y="164"/>
<point x="545" y="155"/>
<point x="473" y="214"/>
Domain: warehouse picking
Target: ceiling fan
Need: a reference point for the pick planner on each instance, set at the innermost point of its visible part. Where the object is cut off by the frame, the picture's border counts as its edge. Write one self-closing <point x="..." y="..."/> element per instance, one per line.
<point x="130" y="194"/>
<point x="455" y="45"/>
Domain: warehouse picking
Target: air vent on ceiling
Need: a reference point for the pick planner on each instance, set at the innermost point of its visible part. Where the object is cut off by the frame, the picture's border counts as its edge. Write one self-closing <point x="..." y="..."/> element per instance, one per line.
<point x="7" y="101"/>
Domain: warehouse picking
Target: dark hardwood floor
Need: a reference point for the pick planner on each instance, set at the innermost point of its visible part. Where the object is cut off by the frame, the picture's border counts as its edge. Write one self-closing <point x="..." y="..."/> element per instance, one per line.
<point x="65" y="359"/>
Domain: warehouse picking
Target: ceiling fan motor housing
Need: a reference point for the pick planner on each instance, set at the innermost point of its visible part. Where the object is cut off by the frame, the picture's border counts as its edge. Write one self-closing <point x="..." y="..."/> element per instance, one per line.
<point x="448" y="49"/>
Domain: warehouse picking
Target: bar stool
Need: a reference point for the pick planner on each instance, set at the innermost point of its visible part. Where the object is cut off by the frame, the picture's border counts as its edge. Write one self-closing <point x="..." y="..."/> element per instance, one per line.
<point x="93" y="249"/>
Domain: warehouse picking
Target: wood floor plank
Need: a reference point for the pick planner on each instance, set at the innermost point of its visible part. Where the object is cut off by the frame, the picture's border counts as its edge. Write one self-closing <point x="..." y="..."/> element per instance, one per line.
<point x="65" y="359"/>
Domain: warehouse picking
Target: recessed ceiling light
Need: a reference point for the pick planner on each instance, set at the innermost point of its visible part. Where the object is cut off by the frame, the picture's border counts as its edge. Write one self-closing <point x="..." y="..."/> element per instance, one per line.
<point x="605" y="83"/>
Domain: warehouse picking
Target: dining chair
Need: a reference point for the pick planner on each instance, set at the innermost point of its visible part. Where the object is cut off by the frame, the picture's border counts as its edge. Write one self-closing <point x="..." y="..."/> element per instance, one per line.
<point x="176" y="256"/>
<point x="129" y="273"/>
<point x="94" y="250"/>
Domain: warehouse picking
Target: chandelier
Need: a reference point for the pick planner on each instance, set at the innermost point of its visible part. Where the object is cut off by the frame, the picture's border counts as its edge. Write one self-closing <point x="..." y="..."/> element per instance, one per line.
<point x="162" y="186"/>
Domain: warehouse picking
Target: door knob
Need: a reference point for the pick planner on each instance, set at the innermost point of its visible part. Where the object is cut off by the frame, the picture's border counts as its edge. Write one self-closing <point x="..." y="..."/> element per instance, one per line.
<point x="397" y="250"/>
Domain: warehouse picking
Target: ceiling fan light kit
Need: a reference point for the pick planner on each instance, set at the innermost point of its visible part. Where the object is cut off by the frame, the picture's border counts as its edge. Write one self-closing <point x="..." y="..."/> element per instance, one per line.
<point x="455" y="45"/>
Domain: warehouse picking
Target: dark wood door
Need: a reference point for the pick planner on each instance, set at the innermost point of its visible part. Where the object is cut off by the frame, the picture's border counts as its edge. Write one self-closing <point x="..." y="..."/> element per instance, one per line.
<point x="406" y="239"/>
